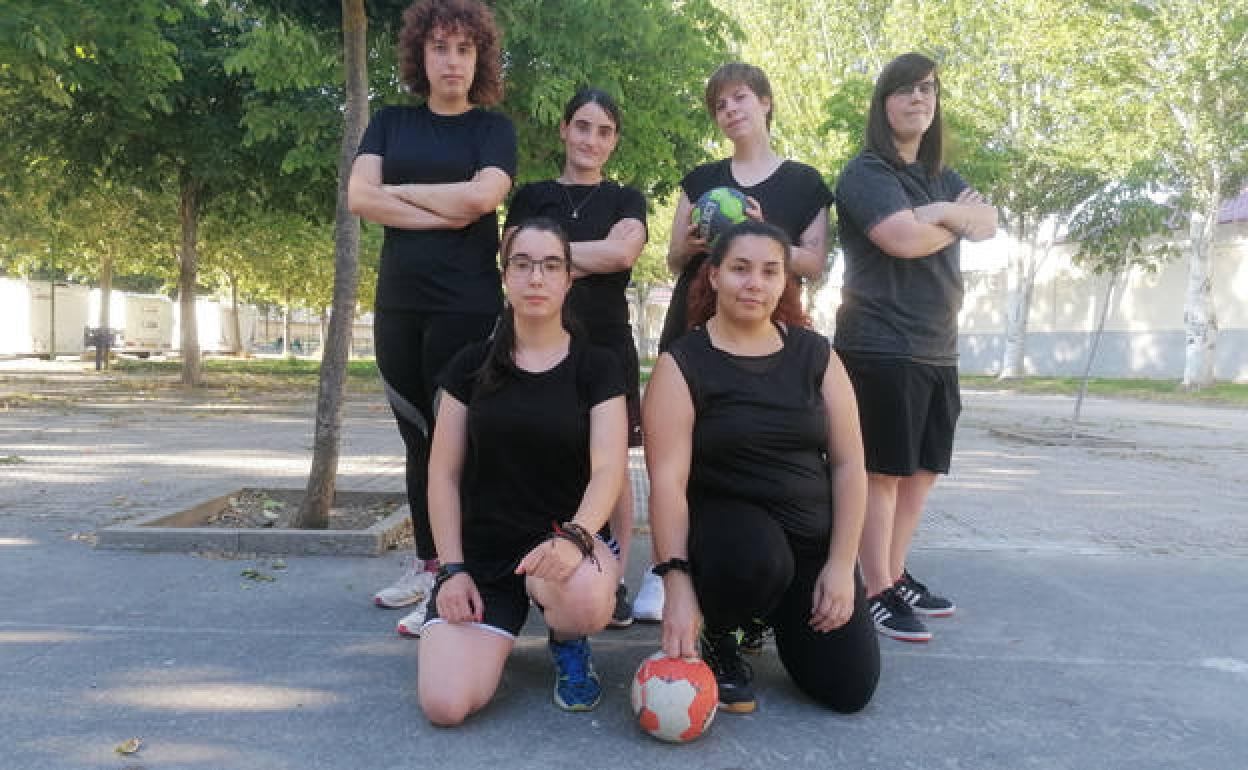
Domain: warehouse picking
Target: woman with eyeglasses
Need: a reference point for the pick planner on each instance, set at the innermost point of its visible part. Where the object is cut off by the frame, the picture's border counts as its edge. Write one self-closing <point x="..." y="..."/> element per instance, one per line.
<point x="528" y="456"/>
<point x="902" y="213"/>
<point x="606" y="223"/>
<point x="433" y="174"/>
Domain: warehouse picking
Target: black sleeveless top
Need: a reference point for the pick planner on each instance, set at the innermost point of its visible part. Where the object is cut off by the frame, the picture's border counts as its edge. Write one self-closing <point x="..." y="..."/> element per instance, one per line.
<point x="760" y="432"/>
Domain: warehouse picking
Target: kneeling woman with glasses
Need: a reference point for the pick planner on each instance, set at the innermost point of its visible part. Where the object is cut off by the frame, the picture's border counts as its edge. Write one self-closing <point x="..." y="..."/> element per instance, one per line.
<point x="529" y="452"/>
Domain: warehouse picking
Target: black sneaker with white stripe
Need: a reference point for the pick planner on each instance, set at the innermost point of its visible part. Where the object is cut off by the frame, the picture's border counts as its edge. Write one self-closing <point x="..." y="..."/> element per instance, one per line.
<point x="895" y="618"/>
<point x="923" y="601"/>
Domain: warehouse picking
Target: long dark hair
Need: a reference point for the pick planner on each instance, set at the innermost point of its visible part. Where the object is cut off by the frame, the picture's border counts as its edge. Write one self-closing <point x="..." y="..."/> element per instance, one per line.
<point x="500" y="364"/>
<point x="905" y="70"/>
<point x="593" y="96"/>
<point x="701" y="302"/>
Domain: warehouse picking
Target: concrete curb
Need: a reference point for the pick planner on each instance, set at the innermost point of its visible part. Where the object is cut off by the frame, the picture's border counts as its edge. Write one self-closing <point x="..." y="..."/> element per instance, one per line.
<point x="150" y="534"/>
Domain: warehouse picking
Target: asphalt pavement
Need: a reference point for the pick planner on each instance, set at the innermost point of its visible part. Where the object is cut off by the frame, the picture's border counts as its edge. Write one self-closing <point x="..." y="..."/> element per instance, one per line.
<point x="1099" y="586"/>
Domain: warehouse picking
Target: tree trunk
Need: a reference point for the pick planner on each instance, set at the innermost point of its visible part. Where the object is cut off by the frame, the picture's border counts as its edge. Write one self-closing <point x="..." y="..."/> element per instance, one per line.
<point x="1199" y="317"/>
<point x="286" y="346"/>
<point x="1092" y="350"/>
<point x="323" y="328"/>
<point x="188" y="275"/>
<point x="1021" y="280"/>
<point x="313" y="512"/>
<point x="643" y="320"/>
<point x="240" y="349"/>
<point x="105" y="319"/>
<point x="52" y="318"/>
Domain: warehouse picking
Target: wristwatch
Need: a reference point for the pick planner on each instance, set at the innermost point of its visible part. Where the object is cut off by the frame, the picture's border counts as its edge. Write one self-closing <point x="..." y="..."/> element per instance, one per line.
<point x="665" y="567"/>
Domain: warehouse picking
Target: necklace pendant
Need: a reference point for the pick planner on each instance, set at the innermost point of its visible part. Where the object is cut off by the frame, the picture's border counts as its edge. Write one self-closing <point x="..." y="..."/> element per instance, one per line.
<point x="576" y="214"/>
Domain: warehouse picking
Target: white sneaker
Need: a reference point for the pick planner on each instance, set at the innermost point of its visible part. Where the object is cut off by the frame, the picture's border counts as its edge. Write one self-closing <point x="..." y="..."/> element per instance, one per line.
<point x="412" y="587"/>
<point x="410" y="625"/>
<point x="648" y="606"/>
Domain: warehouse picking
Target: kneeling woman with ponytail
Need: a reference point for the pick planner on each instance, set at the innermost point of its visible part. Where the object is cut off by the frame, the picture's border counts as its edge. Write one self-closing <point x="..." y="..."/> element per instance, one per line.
<point x="529" y="453"/>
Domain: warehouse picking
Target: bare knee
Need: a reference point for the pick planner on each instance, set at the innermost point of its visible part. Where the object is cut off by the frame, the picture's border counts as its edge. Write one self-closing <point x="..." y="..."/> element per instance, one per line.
<point x="444" y="711"/>
<point x="581" y="613"/>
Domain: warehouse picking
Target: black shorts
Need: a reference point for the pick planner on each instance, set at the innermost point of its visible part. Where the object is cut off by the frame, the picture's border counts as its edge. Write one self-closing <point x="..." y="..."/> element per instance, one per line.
<point x="503" y="593"/>
<point x="619" y="340"/>
<point x="908" y="412"/>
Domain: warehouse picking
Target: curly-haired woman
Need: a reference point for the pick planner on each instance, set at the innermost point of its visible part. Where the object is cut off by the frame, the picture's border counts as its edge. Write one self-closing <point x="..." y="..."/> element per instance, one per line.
<point x="434" y="174"/>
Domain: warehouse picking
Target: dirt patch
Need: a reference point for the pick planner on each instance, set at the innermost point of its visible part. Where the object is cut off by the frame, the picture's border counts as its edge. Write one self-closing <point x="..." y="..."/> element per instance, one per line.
<point x="253" y="508"/>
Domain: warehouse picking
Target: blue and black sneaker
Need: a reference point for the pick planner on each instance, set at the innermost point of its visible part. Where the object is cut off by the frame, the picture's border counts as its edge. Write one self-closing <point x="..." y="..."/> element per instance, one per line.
<point x="576" y="685"/>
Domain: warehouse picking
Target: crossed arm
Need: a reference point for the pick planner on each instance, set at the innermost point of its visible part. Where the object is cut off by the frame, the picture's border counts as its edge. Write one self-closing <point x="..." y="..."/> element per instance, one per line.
<point x="618" y="251"/>
<point x="423" y="206"/>
<point x="918" y="232"/>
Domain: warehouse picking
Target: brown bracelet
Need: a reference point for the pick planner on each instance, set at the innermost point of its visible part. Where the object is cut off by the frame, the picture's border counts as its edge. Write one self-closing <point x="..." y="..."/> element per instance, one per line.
<point x="578" y="536"/>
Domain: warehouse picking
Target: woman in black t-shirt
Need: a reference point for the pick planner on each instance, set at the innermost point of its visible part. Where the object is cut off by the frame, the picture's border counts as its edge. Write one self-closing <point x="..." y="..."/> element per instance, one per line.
<point x="607" y="225"/>
<point x="434" y="174"/>
<point x="528" y="456"/>
<point x="757" y="487"/>
<point x="784" y="193"/>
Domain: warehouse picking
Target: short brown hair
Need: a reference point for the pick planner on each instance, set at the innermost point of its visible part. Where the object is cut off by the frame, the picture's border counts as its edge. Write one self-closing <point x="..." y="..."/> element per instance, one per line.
<point x="735" y="72"/>
<point x="468" y="17"/>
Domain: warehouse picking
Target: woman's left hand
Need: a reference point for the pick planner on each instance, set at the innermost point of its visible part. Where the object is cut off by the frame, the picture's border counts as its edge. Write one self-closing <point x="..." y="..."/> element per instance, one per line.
<point x="833" y="600"/>
<point x="553" y="559"/>
<point x="754" y="209"/>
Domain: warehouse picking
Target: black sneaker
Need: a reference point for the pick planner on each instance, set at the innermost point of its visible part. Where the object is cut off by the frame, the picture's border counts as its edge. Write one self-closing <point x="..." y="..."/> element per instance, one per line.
<point x="622" y="615"/>
<point x="753" y="636"/>
<point x="732" y="674"/>
<point x="895" y="618"/>
<point x="922" y="600"/>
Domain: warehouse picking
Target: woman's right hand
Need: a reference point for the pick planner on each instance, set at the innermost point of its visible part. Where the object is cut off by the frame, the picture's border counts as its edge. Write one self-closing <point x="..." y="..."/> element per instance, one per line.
<point x="459" y="601"/>
<point x="682" y="618"/>
<point x="691" y="244"/>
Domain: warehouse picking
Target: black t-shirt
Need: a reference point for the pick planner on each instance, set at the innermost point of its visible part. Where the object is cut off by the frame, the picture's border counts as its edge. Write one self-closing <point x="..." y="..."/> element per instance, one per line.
<point x="596" y="300"/>
<point x="760" y="431"/>
<point x="791" y="198"/>
<point x="440" y="270"/>
<point x="904" y="308"/>
<point x="527" y="461"/>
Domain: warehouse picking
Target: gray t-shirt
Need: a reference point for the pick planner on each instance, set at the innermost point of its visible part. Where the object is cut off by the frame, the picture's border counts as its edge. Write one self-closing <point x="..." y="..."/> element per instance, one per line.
<point x="890" y="306"/>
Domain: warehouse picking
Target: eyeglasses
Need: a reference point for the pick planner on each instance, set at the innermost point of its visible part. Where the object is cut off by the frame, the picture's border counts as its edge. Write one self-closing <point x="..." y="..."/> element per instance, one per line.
<point x="925" y="88"/>
<point x="522" y="263"/>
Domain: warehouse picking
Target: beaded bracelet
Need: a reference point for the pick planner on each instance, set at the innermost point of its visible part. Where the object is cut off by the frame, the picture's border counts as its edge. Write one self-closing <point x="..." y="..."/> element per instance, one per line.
<point x="578" y="536"/>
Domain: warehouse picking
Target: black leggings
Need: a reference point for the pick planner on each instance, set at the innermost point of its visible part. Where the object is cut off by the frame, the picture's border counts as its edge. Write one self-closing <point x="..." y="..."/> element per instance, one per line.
<point x="745" y="566"/>
<point x="412" y="348"/>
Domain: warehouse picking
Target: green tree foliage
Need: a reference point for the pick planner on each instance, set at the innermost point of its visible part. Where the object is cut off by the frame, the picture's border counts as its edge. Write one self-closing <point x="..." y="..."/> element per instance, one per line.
<point x="1194" y="67"/>
<point x="652" y="55"/>
<point x="144" y="101"/>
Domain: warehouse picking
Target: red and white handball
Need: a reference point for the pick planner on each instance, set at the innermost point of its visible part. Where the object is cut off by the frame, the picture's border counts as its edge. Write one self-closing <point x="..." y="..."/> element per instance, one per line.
<point x="674" y="699"/>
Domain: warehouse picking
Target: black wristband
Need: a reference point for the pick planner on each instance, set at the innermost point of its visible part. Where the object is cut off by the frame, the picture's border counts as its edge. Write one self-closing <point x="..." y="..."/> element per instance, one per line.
<point x="663" y="568"/>
<point x="448" y="570"/>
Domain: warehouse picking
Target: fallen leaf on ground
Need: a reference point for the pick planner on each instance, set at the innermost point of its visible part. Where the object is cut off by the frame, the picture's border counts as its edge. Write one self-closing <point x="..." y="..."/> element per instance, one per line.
<point x="254" y="574"/>
<point x="130" y="746"/>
